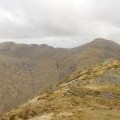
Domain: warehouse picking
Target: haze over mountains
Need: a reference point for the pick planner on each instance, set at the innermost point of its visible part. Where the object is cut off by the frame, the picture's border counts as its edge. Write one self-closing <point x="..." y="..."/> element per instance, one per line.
<point x="28" y="70"/>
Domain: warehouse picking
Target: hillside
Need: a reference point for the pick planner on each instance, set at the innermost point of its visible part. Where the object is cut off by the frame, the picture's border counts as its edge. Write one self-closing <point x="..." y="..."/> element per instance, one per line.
<point x="28" y="70"/>
<point x="25" y="71"/>
<point x="92" y="93"/>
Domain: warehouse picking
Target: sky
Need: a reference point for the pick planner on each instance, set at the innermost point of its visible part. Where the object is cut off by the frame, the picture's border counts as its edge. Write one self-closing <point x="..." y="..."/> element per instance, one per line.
<point x="59" y="23"/>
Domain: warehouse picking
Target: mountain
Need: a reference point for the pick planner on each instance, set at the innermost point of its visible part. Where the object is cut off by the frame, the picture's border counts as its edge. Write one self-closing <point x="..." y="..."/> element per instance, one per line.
<point x="28" y="70"/>
<point x="93" y="93"/>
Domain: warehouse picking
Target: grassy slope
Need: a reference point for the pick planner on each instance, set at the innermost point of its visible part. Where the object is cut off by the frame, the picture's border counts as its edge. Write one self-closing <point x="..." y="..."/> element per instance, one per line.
<point x="83" y="96"/>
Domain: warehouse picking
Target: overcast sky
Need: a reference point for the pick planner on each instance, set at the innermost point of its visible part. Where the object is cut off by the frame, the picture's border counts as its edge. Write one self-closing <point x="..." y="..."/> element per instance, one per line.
<point x="61" y="23"/>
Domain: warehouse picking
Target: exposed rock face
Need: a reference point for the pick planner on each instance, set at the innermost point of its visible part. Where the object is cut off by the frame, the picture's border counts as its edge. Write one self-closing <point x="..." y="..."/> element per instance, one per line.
<point x="28" y="70"/>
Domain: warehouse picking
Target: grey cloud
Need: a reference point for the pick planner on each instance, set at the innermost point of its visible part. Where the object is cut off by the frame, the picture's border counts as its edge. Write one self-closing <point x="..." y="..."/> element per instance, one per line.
<point x="61" y="23"/>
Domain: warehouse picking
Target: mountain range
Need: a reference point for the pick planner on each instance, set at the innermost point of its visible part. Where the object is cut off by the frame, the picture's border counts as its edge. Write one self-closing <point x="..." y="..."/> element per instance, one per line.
<point x="27" y="71"/>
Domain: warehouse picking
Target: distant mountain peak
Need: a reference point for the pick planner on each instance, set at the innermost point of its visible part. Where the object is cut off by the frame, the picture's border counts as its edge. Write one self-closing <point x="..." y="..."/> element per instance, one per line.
<point x="104" y="43"/>
<point x="97" y="40"/>
<point x="45" y="46"/>
<point x="8" y="43"/>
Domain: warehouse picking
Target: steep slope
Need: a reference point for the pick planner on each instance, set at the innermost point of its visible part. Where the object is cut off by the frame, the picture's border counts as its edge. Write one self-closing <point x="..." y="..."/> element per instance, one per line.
<point x="93" y="93"/>
<point x="27" y="70"/>
<point x="93" y="52"/>
<point x="88" y="54"/>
